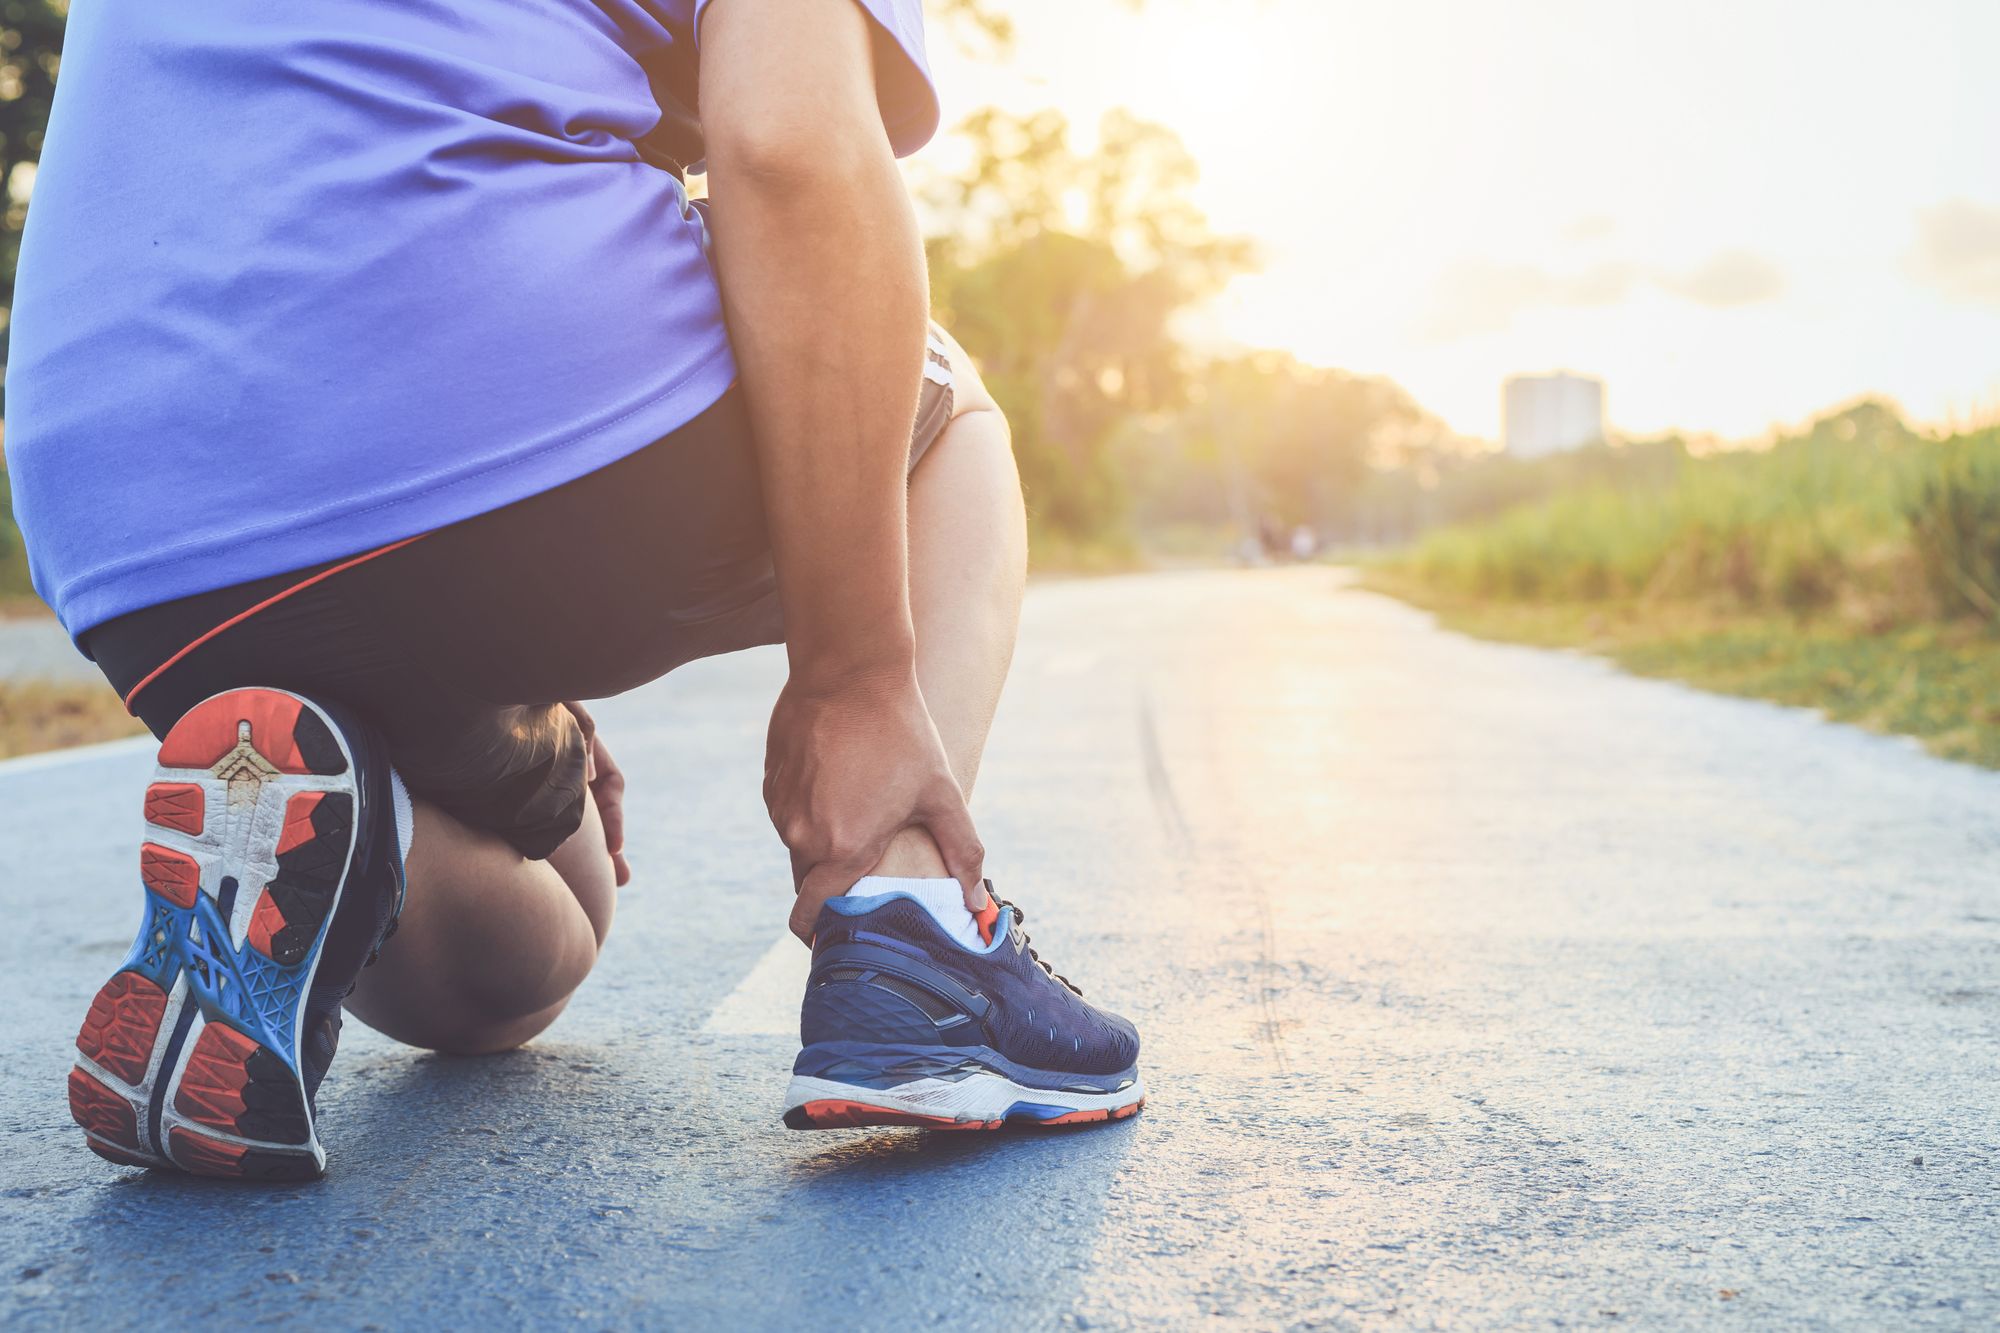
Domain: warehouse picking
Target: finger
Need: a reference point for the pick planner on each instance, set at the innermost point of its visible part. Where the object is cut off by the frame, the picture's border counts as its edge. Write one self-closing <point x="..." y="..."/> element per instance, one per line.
<point x="610" y="814"/>
<point x="951" y="828"/>
<point x="822" y="882"/>
<point x="621" y="869"/>
<point x="607" y="763"/>
<point x="612" y="811"/>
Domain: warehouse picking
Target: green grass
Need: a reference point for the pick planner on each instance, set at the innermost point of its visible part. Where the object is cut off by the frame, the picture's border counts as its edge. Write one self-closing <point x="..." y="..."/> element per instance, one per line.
<point x="1853" y="568"/>
<point x="1857" y="518"/>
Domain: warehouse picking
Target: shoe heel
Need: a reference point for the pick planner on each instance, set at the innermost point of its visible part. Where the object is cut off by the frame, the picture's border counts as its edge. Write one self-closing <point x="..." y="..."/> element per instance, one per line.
<point x="245" y="1092"/>
<point x="185" y="1056"/>
<point x="108" y="1100"/>
<point x="843" y="1085"/>
<point x="232" y="1084"/>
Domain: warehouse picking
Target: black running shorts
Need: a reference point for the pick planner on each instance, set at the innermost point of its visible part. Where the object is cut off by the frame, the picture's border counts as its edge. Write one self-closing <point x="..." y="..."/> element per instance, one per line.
<point x="461" y="644"/>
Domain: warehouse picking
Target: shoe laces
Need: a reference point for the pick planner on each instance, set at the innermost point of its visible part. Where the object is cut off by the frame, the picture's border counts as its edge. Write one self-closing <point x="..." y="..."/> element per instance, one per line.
<point x="1027" y="942"/>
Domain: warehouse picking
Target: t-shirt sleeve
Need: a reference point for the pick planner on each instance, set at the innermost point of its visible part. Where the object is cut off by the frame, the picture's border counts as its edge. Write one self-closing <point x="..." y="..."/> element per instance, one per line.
<point x="903" y="86"/>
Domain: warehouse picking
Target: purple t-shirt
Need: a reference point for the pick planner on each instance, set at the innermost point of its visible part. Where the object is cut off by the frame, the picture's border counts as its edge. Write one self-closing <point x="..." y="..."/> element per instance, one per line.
<point x="303" y="279"/>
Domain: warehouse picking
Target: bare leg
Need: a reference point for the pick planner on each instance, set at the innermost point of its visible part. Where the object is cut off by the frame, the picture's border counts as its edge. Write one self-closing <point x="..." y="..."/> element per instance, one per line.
<point x="491" y="945"/>
<point x="968" y="561"/>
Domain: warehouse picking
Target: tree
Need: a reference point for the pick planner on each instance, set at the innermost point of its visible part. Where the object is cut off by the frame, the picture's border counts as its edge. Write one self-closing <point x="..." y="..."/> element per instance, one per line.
<point x="1308" y="436"/>
<point x="978" y="18"/>
<point x="1063" y="272"/>
<point x="1264" y="437"/>
<point x="31" y="33"/>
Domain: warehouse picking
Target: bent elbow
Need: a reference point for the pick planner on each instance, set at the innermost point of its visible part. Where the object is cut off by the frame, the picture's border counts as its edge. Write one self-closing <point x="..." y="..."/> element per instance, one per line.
<point x="790" y="156"/>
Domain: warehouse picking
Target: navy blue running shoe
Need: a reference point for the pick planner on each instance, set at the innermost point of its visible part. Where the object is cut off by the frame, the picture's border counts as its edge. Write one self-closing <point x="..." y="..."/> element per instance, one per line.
<point x="903" y="1025"/>
<point x="271" y="873"/>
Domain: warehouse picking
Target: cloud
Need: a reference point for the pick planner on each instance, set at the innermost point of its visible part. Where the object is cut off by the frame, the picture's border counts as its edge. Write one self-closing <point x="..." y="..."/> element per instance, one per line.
<point x="1595" y="227"/>
<point x="1482" y="296"/>
<point x="1728" y="278"/>
<point x="1485" y="296"/>
<point x="1958" y="251"/>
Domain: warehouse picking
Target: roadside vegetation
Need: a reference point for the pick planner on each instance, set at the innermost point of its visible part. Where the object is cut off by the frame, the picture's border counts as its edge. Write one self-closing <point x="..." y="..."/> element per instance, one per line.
<point x="1852" y="567"/>
<point x="16" y="593"/>
<point x="48" y="715"/>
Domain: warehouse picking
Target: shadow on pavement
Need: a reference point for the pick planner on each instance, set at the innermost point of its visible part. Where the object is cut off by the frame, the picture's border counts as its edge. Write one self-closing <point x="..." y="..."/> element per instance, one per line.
<point x="922" y="1226"/>
<point x="894" y="1154"/>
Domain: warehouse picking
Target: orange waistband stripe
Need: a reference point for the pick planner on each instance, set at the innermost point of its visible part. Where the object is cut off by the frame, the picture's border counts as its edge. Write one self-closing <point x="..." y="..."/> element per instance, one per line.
<point x="270" y="601"/>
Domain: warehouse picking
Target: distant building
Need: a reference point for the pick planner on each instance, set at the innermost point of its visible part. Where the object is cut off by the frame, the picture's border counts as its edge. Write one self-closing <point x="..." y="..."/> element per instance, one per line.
<point x="1547" y="414"/>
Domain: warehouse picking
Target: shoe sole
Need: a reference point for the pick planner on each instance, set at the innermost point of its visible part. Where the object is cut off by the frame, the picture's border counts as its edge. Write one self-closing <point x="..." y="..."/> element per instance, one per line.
<point x="187" y="1059"/>
<point x="985" y="1100"/>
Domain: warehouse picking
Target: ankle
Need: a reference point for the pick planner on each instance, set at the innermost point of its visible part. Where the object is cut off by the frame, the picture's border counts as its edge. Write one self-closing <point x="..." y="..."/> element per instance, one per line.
<point x="940" y="896"/>
<point x="911" y="855"/>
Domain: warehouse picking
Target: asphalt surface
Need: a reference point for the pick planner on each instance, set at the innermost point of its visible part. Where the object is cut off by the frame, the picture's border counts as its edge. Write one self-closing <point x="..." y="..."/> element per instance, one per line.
<point x="34" y="647"/>
<point x="1481" y="986"/>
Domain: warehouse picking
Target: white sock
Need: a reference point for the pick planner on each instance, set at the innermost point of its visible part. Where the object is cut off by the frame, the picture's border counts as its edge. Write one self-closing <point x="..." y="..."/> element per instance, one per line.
<point x="944" y="899"/>
<point x="406" y="814"/>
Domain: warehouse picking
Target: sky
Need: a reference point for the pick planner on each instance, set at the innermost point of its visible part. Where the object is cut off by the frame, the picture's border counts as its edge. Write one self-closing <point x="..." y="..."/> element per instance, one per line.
<point x="1736" y="213"/>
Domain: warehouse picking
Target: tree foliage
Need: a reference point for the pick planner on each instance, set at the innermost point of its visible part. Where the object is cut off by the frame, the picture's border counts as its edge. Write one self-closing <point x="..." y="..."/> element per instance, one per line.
<point x="1265" y="441"/>
<point x="1306" y="436"/>
<point x="31" y="33"/>
<point x="1063" y="271"/>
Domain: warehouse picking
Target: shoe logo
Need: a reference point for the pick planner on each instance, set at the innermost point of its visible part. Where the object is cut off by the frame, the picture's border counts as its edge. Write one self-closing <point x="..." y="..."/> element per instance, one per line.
<point x="244" y="769"/>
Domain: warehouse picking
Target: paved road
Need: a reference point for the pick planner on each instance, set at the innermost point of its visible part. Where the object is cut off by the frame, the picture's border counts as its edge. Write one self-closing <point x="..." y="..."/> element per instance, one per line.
<point x="1481" y="986"/>
<point x="34" y="647"/>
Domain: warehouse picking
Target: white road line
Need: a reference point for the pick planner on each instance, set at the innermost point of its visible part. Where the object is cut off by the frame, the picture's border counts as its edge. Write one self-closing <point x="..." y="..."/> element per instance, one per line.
<point x="32" y="763"/>
<point x="766" y="1002"/>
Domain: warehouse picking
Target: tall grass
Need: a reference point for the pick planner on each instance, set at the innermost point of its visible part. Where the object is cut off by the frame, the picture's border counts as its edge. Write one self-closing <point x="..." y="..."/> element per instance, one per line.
<point x="1954" y="512"/>
<point x="1857" y="517"/>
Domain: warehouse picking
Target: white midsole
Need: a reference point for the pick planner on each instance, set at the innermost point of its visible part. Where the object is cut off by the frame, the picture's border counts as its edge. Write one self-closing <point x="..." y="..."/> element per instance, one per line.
<point x="981" y="1096"/>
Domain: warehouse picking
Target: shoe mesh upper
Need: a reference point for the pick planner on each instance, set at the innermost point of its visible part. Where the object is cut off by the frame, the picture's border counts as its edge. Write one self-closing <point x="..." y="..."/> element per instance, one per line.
<point x="1032" y="1019"/>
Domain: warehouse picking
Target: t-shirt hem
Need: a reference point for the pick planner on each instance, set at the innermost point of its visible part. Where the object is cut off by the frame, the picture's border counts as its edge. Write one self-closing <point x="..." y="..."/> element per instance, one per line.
<point x="372" y="519"/>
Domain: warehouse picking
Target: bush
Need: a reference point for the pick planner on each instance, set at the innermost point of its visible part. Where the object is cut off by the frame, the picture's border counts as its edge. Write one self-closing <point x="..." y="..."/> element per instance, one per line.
<point x="1954" y="516"/>
<point x="1856" y="516"/>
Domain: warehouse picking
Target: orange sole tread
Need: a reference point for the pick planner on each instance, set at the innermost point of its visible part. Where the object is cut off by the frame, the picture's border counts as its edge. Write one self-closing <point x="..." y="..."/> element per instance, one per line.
<point x="104" y="1114"/>
<point x="203" y="1155"/>
<point x="211" y="1087"/>
<point x="180" y="806"/>
<point x="209" y="731"/>
<point x="173" y="875"/>
<point x="123" y="1022"/>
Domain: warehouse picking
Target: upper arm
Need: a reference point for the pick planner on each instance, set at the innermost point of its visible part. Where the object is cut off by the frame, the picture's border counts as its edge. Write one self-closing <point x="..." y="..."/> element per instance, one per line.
<point x="786" y="83"/>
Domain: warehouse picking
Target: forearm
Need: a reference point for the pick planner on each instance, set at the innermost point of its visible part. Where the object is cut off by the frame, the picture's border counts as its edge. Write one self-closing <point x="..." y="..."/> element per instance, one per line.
<point x="823" y="284"/>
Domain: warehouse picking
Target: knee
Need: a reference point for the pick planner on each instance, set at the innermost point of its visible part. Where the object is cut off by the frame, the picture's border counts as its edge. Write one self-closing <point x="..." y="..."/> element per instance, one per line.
<point x="487" y="1036"/>
<point x="988" y="424"/>
<point x="459" y="1023"/>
